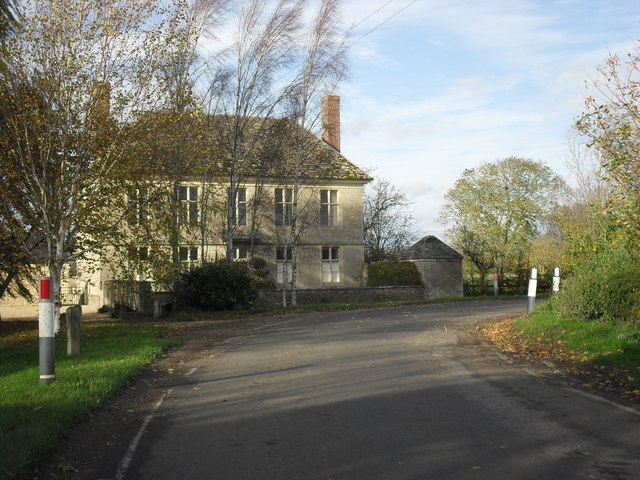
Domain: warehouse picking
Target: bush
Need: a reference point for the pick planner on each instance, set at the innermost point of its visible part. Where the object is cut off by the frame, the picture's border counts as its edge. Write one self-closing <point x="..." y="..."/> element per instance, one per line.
<point x="605" y="287"/>
<point x="216" y="286"/>
<point x="390" y="273"/>
<point x="260" y="272"/>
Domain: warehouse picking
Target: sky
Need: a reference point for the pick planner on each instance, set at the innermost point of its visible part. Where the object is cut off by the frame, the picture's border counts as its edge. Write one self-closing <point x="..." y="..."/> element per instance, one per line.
<point x="446" y="85"/>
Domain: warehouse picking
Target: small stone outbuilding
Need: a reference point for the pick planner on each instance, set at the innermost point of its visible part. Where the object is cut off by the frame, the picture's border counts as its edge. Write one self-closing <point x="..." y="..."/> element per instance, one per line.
<point x="440" y="267"/>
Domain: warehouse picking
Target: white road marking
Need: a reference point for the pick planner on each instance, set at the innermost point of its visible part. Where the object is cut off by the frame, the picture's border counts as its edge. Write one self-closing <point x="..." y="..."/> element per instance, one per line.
<point x="128" y="457"/>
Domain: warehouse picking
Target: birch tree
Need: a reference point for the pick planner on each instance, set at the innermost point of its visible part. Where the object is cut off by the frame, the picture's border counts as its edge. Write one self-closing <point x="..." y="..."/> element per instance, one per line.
<point x="323" y="64"/>
<point x="246" y="95"/>
<point x="76" y="79"/>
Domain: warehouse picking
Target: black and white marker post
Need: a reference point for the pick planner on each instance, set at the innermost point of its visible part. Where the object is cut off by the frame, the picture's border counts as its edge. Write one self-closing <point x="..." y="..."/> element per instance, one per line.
<point x="46" y="332"/>
<point x="533" y="285"/>
<point x="556" y="280"/>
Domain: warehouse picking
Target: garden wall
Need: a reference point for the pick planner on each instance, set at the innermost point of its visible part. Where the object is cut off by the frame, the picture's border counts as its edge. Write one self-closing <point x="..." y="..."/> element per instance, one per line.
<point x="272" y="298"/>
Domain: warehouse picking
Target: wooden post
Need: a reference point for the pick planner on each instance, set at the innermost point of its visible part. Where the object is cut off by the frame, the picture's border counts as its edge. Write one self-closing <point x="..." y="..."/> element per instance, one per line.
<point x="74" y="317"/>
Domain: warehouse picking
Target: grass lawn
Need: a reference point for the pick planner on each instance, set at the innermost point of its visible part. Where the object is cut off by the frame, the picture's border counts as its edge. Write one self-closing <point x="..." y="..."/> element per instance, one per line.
<point x="33" y="417"/>
<point x="612" y="348"/>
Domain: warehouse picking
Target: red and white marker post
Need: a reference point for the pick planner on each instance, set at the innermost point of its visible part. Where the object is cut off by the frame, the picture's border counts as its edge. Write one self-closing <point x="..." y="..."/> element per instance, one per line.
<point x="46" y="332"/>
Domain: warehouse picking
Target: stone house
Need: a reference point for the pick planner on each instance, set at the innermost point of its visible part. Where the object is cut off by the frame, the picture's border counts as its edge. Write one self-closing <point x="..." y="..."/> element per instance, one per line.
<point x="329" y="208"/>
<point x="328" y="213"/>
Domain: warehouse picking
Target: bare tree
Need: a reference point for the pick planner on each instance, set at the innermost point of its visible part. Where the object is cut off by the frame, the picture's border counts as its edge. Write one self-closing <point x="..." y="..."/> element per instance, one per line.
<point x="246" y="95"/>
<point x="388" y="223"/>
<point x="323" y="65"/>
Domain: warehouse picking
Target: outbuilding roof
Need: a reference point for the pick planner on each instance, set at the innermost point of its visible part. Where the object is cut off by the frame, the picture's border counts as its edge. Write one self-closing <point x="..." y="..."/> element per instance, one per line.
<point x="428" y="248"/>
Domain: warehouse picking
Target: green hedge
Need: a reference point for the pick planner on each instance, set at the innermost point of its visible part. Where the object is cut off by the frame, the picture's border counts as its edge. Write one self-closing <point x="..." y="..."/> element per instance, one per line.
<point x="605" y="287"/>
<point x="391" y="273"/>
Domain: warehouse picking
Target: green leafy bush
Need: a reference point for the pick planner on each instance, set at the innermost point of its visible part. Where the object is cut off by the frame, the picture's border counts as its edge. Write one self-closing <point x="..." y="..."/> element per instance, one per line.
<point x="392" y="273"/>
<point x="605" y="287"/>
<point x="262" y="282"/>
<point x="216" y="286"/>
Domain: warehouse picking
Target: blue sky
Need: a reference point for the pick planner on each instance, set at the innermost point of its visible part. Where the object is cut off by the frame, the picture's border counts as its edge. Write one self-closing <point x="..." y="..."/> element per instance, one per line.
<point x="447" y="85"/>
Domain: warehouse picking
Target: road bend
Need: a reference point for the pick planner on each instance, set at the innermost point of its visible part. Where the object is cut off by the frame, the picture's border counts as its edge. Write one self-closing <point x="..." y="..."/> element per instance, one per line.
<point x="392" y="393"/>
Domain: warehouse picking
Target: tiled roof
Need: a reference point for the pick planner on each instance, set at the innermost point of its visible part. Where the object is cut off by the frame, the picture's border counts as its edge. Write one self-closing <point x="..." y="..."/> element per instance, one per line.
<point x="272" y="156"/>
<point x="429" y="248"/>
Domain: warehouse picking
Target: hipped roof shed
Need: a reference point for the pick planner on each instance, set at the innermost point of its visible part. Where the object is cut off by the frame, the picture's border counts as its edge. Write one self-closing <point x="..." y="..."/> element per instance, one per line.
<point x="430" y="248"/>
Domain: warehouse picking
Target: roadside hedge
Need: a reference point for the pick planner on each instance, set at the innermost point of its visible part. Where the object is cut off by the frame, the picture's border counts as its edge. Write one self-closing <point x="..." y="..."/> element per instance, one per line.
<point x="605" y="287"/>
<point x="393" y="273"/>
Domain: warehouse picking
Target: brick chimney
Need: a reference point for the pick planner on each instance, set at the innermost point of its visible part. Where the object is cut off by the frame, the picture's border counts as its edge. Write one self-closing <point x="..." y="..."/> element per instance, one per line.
<point x="331" y="120"/>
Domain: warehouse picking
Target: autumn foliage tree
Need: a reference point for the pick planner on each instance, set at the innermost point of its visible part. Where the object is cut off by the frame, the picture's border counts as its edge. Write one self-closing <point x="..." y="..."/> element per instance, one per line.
<point x="75" y="80"/>
<point x="611" y="123"/>
<point x="496" y="211"/>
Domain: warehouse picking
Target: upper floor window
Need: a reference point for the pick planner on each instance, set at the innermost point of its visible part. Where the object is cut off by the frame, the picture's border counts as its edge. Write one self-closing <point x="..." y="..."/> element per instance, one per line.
<point x="240" y="210"/>
<point x="137" y="207"/>
<point x="284" y="265"/>
<point x="329" y="208"/>
<point x="330" y="264"/>
<point x="188" y="210"/>
<point x="284" y="206"/>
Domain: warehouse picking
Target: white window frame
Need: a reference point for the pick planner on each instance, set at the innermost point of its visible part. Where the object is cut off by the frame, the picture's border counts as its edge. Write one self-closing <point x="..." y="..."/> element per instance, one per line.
<point x="329" y="208"/>
<point x="284" y="206"/>
<point x="241" y="253"/>
<point x="189" y="256"/>
<point x="188" y="212"/>
<point x="137" y="214"/>
<point x="284" y="266"/>
<point x="331" y="265"/>
<point x="240" y="207"/>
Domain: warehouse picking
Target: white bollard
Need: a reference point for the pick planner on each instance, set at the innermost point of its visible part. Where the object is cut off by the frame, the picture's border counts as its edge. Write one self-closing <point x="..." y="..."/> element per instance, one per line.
<point x="46" y="333"/>
<point x="495" y="284"/>
<point x="533" y="285"/>
<point x="556" y="280"/>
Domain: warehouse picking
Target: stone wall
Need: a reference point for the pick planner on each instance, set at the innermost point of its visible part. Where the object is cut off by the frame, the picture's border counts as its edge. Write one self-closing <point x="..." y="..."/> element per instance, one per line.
<point x="270" y="298"/>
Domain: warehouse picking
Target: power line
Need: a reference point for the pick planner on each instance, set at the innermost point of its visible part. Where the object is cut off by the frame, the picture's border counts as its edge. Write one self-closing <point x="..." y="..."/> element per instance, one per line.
<point x="383" y="22"/>
<point x="372" y="14"/>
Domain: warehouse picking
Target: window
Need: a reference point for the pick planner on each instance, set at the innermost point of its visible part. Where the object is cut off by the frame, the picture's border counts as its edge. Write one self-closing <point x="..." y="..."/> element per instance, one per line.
<point x="330" y="264"/>
<point x="137" y="207"/>
<point x="284" y="206"/>
<point x="139" y="253"/>
<point x="283" y="265"/>
<point x="329" y="208"/>
<point x="188" y="212"/>
<point x="241" y="253"/>
<point x="241" y="207"/>
<point x="189" y="255"/>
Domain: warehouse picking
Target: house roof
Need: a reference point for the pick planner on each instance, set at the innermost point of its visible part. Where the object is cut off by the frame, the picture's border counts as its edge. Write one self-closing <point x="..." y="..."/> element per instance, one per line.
<point x="271" y="148"/>
<point x="428" y="248"/>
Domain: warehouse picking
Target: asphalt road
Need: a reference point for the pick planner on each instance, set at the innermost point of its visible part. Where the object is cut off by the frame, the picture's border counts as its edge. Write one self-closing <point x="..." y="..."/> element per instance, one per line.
<point x="400" y="393"/>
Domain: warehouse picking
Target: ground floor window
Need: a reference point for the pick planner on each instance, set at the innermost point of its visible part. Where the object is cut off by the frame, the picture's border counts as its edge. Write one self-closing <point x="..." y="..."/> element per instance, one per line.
<point x="330" y="264"/>
<point x="189" y="255"/>
<point x="283" y="265"/>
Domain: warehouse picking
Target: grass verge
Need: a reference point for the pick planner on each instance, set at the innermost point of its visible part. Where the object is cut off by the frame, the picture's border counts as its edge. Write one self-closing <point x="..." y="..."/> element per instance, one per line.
<point x="609" y="352"/>
<point x="34" y="417"/>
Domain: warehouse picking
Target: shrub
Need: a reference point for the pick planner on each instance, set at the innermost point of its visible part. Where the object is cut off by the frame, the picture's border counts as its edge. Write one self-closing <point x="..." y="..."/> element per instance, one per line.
<point x="216" y="286"/>
<point x="605" y="287"/>
<point x="390" y="273"/>
<point x="262" y="282"/>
